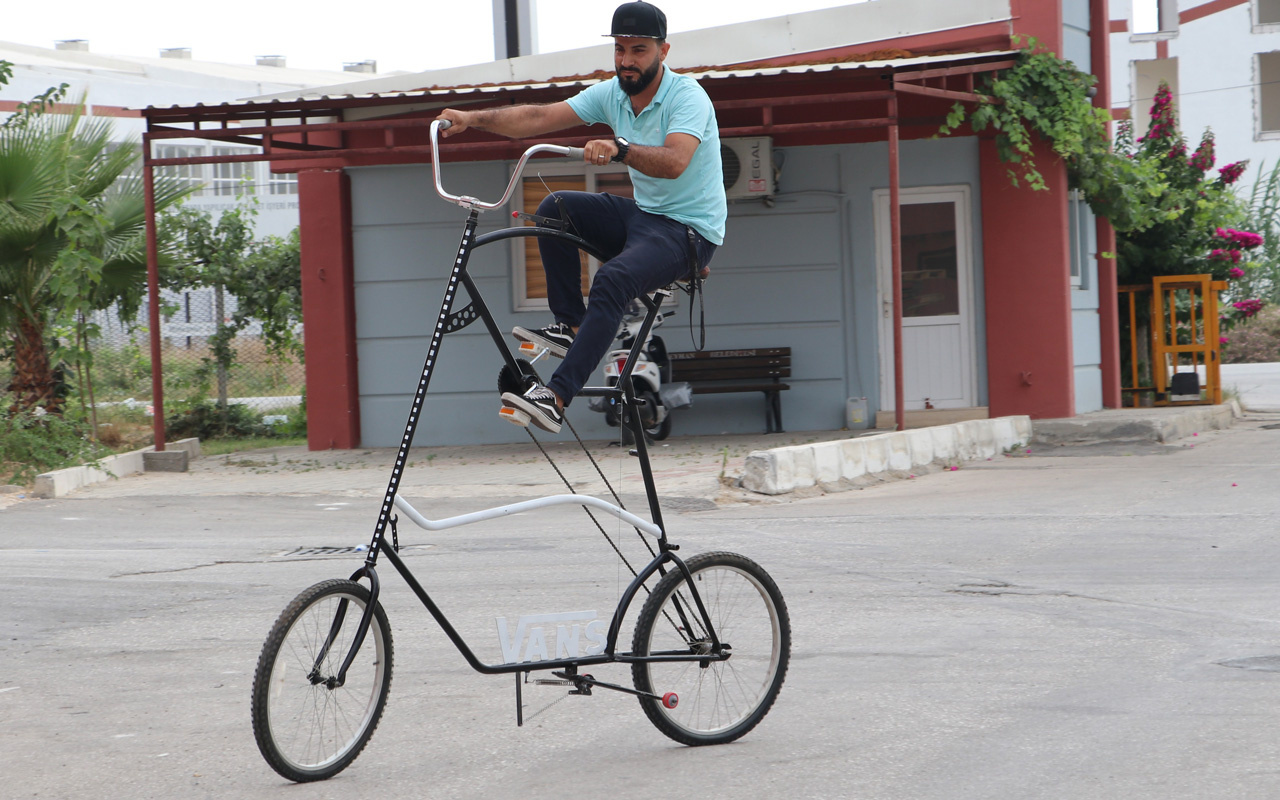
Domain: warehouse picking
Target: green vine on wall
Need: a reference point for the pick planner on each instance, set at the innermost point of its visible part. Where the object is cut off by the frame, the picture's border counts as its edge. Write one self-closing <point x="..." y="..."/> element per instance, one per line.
<point x="1046" y="96"/>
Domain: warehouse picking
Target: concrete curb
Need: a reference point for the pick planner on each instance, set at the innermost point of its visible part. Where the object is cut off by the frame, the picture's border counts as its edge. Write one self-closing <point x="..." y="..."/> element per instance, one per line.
<point x="848" y="463"/>
<point x="1129" y="425"/>
<point x="63" y="482"/>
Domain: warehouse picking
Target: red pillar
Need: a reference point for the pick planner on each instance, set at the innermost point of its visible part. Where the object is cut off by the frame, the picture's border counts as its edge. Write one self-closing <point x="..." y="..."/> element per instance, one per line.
<point x="328" y="310"/>
<point x="1030" y="363"/>
<point x="1027" y="277"/>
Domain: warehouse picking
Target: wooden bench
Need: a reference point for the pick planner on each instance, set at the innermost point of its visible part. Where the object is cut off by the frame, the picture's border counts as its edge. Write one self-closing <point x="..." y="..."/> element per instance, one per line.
<point x="724" y="371"/>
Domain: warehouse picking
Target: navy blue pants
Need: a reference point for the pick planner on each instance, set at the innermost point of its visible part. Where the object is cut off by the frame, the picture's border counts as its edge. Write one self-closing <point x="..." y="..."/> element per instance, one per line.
<point x="644" y="252"/>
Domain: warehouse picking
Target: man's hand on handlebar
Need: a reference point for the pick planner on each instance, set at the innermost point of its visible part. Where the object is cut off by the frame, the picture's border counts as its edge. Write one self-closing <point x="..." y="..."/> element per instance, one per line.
<point x="458" y="121"/>
<point x="599" y="151"/>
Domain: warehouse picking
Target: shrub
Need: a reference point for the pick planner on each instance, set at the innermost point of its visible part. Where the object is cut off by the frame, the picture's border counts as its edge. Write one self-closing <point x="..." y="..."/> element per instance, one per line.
<point x="32" y="443"/>
<point x="1256" y="340"/>
<point x="207" y="421"/>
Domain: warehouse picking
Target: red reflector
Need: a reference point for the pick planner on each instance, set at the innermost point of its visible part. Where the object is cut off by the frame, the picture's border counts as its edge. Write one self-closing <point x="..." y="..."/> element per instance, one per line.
<point x="622" y="362"/>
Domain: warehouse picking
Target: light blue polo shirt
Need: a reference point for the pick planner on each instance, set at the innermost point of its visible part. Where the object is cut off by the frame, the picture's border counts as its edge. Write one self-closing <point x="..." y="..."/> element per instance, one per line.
<point x="696" y="198"/>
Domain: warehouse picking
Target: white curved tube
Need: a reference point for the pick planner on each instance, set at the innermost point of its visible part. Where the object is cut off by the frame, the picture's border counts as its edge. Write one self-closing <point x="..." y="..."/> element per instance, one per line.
<point x="527" y="505"/>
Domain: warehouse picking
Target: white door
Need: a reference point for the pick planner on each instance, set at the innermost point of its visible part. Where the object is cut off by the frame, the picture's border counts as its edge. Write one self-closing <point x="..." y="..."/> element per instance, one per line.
<point x="938" y="358"/>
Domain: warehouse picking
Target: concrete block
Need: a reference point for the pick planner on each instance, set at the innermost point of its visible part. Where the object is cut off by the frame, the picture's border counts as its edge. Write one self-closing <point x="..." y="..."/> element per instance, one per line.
<point x="62" y="482"/>
<point x="853" y="458"/>
<point x="920" y="441"/>
<point x="875" y="450"/>
<point x="899" y="452"/>
<point x="167" y="461"/>
<point x="984" y="440"/>
<point x="759" y="472"/>
<point x="944" y="443"/>
<point x="1003" y="435"/>
<point x="804" y="468"/>
<point x="826" y="461"/>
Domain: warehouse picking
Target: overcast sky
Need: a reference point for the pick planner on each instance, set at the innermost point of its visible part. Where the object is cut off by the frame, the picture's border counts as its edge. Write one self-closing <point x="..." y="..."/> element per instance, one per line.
<point x="399" y="35"/>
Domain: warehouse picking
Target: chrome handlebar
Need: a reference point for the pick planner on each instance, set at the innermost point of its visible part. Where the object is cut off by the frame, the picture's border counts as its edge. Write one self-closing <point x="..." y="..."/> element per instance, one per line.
<point x="468" y="202"/>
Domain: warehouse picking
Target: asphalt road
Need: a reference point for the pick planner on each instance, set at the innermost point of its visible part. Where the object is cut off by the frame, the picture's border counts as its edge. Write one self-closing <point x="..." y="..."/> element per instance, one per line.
<point x="1257" y="385"/>
<point x="1064" y="625"/>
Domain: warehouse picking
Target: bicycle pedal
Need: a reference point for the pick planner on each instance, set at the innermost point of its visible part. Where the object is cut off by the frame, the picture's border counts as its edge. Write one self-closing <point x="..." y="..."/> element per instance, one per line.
<point x="514" y="415"/>
<point x="551" y="682"/>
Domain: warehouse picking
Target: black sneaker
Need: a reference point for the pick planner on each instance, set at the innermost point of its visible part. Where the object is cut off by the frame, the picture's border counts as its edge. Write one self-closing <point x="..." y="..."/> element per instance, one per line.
<point x="539" y="403"/>
<point x="556" y="338"/>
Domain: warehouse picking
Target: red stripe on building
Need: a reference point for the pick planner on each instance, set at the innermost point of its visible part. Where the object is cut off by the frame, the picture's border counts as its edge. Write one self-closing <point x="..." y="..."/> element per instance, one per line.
<point x="67" y="108"/>
<point x="1118" y="26"/>
<point x="1212" y="7"/>
<point x="113" y="111"/>
<point x="1162" y="49"/>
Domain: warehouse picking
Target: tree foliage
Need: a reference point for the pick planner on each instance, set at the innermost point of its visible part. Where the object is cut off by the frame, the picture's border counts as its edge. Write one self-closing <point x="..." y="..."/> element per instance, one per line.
<point x="71" y="234"/>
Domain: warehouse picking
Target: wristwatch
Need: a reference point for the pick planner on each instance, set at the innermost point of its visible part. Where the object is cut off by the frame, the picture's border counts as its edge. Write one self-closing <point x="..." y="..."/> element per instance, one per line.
<point x="624" y="147"/>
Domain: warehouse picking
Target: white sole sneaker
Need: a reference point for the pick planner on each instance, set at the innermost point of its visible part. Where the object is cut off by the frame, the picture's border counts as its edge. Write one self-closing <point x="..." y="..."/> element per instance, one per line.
<point x="535" y="338"/>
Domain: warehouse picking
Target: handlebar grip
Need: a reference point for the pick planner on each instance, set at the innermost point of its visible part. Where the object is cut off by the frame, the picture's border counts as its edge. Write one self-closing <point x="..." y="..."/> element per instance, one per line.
<point x="576" y="153"/>
<point x="445" y="124"/>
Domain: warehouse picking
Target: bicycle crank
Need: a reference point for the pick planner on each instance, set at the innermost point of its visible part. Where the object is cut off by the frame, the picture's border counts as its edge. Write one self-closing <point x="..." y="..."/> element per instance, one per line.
<point x="584" y="683"/>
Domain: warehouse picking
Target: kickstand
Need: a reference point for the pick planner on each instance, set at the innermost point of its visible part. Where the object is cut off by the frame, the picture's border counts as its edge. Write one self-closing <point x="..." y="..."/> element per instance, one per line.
<point x="519" y="703"/>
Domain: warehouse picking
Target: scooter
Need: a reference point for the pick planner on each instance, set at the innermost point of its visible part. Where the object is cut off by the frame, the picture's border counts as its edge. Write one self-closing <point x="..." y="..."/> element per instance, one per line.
<point x="651" y="376"/>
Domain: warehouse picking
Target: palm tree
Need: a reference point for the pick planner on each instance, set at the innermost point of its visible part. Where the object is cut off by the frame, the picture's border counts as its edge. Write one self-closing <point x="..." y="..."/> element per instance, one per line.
<point x="66" y="197"/>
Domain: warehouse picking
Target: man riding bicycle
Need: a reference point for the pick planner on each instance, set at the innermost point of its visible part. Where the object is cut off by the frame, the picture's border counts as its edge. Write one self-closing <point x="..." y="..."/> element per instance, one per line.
<point x="665" y="132"/>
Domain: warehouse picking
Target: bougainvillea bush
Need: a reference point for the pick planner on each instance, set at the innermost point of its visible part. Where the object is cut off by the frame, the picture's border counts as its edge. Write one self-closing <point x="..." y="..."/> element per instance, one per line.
<point x="1254" y="340"/>
<point x="1191" y="231"/>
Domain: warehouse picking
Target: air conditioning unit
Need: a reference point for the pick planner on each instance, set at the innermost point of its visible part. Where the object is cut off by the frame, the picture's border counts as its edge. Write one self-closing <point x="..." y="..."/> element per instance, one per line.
<point x="748" y="167"/>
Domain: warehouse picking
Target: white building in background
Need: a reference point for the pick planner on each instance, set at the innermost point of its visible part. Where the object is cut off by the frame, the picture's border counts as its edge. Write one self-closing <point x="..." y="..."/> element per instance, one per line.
<point x="117" y="86"/>
<point x="1221" y="58"/>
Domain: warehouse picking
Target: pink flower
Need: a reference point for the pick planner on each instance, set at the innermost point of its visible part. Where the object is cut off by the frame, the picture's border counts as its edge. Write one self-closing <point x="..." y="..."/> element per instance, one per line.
<point x="1235" y="272"/>
<point x="1232" y="172"/>
<point x="1248" y="308"/>
<point x="1243" y="239"/>
<point x="1223" y="340"/>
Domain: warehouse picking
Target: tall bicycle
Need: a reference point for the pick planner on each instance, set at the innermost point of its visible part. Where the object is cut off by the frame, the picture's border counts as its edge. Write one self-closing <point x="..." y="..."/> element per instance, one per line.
<point x="710" y="646"/>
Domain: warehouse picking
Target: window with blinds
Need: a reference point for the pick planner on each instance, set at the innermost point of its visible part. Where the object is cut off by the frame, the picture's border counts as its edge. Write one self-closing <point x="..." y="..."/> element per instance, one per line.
<point x="530" y="282"/>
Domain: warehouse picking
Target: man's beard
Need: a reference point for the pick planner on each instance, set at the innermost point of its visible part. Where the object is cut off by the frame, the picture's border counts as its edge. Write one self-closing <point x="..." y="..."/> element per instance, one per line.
<point x="634" y="86"/>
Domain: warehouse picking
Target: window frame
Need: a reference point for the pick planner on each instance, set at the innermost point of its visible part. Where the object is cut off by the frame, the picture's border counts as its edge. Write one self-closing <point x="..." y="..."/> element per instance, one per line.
<point x="1255" y="18"/>
<point x="194" y="176"/>
<point x="520" y="301"/>
<point x="1261" y="134"/>
<point x="1081" y="232"/>
<point x="1167" y="20"/>
<point x="234" y="185"/>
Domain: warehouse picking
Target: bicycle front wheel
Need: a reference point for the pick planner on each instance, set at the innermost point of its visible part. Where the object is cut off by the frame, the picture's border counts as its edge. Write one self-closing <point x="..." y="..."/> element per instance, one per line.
<point x="308" y="727"/>
<point x="715" y="701"/>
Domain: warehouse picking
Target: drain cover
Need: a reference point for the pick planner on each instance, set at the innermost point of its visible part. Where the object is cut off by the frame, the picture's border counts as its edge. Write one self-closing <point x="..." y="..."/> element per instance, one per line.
<point x="1255" y="663"/>
<point x="337" y="551"/>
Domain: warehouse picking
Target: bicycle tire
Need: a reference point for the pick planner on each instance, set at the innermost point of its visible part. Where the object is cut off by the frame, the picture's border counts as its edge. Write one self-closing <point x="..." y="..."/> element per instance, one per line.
<point x="718" y="701"/>
<point x="305" y="729"/>
<point x="662" y="429"/>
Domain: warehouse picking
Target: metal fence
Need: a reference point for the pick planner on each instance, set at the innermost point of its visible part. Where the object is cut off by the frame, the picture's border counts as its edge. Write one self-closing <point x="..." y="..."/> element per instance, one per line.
<point x="267" y="383"/>
<point x="269" y="386"/>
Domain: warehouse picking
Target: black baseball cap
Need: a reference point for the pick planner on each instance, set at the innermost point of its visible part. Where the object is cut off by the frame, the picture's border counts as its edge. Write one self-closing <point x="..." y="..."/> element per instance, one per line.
<point x="639" y="19"/>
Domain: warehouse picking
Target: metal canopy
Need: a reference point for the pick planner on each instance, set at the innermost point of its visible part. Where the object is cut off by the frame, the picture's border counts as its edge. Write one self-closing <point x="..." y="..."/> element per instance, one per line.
<point x="796" y="105"/>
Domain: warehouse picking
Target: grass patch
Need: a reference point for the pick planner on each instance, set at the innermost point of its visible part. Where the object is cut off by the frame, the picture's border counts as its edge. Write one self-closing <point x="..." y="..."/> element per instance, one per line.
<point x="221" y="447"/>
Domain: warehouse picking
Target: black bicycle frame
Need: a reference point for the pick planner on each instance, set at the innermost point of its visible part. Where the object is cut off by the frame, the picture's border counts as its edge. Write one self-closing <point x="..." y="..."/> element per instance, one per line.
<point x="450" y="321"/>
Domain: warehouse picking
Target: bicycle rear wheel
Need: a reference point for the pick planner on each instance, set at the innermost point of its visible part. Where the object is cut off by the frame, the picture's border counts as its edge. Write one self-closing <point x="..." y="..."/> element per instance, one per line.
<point x="306" y="726"/>
<point x="718" y="701"/>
